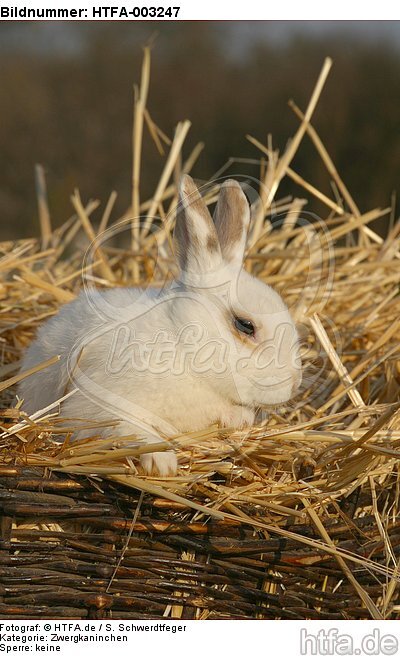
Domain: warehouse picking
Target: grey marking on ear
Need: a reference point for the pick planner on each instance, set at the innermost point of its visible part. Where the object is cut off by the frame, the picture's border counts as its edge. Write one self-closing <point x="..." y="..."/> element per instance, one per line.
<point x="231" y="218"/>
<point x="198" y="247"/>
<point x="213" y="244"/>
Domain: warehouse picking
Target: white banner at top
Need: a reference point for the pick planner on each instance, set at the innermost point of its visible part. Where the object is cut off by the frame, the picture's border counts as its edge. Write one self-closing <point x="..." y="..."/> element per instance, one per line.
<point x="163" y="10"/>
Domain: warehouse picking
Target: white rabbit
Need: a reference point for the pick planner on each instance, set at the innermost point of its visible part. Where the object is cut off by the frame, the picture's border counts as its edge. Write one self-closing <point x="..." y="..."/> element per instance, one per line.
<point x="211" y="348"/>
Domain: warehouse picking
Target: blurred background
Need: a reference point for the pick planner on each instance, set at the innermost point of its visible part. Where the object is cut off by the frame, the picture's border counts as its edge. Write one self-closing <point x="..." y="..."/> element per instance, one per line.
<point x="66" y="92"/>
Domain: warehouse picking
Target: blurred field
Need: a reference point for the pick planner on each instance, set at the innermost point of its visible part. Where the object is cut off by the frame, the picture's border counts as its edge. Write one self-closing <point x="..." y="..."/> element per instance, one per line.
<point x="70" y="109"/>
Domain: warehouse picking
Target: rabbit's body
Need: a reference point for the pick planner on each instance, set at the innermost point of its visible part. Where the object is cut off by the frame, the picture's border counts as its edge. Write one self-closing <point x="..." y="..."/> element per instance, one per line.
<point x="158" y="363"/>
<point x="198" y="405"/>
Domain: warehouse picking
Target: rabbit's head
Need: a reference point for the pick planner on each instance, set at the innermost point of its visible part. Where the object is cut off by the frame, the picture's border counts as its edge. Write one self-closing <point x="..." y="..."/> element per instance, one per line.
<point x="246" y="328"/>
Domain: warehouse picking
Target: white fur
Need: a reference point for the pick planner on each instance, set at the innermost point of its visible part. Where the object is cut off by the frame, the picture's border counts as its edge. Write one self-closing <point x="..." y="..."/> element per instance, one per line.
<point x="129" y="353"/>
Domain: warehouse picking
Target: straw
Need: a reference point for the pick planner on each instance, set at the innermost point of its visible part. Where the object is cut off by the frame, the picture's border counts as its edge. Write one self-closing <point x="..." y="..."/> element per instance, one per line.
<point x="43" y="207"/>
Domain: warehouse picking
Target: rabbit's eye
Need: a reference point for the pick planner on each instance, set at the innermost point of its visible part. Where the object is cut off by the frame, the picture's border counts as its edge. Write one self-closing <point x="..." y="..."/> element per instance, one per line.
<point x="244" y="325"/>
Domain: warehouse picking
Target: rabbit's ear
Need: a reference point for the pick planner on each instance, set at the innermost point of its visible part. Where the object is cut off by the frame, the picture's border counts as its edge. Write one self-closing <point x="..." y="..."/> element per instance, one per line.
<point x="196" y="237"/>
<point x="232" y="218"/>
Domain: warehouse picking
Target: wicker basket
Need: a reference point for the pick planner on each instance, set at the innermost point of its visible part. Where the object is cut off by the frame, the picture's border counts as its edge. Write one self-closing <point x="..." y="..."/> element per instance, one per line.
<point x="71" y="548"/>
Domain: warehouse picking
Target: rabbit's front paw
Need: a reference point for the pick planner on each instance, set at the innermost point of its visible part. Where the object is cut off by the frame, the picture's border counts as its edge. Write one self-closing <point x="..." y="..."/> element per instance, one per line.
<point x="164" y="463"/>
<point x="238" y="417"/>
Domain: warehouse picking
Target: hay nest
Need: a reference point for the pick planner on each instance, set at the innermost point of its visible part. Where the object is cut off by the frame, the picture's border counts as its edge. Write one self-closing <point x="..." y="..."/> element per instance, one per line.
<point x="296" y="518"/>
